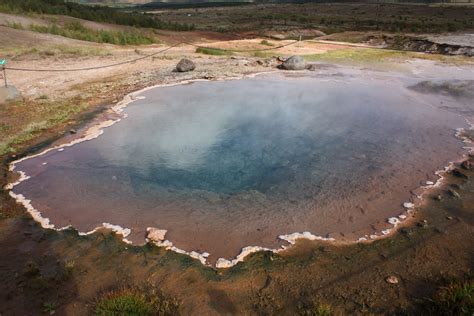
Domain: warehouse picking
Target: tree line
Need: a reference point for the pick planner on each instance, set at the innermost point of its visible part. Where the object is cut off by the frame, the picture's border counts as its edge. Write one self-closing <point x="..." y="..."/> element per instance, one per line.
<point x="92" y="13"/>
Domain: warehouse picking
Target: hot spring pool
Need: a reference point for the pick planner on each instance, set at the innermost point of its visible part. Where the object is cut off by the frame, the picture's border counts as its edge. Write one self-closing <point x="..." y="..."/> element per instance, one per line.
<point x="228" y="164"/>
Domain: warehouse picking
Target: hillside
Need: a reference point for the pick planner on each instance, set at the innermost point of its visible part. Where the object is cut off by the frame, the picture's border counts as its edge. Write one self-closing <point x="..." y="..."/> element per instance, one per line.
<point x="91" y="13"/>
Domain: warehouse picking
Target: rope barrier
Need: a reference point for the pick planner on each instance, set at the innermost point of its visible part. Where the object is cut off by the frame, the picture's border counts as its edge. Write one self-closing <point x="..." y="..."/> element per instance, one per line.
<point x="96" y="67"/>
<point x="147" y="56"/>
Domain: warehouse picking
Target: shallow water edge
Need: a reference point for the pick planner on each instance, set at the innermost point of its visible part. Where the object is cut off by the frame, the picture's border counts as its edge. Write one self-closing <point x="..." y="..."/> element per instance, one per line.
<point x="96" y="130"/>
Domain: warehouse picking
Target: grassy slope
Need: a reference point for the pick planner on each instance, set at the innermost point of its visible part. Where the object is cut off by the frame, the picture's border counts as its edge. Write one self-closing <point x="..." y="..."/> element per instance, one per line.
<point x="330" y="18"/>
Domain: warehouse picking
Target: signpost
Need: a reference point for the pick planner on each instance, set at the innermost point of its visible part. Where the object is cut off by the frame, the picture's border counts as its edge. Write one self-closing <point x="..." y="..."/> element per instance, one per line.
<point x="3" y="63"/>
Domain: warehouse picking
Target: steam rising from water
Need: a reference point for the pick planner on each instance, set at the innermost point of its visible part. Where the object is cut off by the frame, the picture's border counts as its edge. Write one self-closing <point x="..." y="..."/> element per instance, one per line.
<point x="225" y="165"/>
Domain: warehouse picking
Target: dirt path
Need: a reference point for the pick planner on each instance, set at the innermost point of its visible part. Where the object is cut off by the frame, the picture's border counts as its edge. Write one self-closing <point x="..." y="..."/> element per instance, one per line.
<point x="83" y="54"/>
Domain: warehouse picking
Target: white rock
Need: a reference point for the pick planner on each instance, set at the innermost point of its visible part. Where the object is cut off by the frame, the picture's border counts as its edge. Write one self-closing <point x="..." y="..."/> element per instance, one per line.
<point x="408" y="205"/>
<point x="391" y="279"/>
<point x="292" y="238"/>
<point x="223" y="263"/>
<point x="117" y="229"/>
<point x="155" y="234"/>
<point x="393" y="221"/>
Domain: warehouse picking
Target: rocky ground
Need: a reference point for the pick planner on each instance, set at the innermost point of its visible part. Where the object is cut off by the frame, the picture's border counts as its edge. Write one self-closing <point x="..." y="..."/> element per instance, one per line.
<point x="42" y="271"/>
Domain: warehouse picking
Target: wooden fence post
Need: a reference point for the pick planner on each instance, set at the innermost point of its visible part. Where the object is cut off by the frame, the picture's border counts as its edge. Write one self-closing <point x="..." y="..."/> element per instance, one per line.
<point x="5" y="76"/>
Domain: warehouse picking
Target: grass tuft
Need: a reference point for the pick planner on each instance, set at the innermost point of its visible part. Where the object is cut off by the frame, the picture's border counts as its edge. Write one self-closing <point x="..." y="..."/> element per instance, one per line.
<point x="454" y="298"/>
<point x="212" y="51"/>
<point x="315" y="308"/>
<point x="135" y="301"/>
<point x="32" y="117"/>
<point x="266" y="43"/>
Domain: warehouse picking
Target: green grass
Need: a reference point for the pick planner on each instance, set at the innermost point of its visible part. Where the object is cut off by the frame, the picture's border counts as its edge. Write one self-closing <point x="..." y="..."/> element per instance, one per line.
<point x="78" y="31"/>
<point x="31" y="118"/>
<point x="356" y="54"/>
<point x="134" y="301"/>
<point x="213" y="51"/>
<point x="374" y="56"/>
<point x="266" y="43"/>
<point x="54" y="50"/>
<point x="265" y="54"/>
<point x="49" y="307"/>
<point x="315" y="309"/>
<point x="130" y="303"/>
<point x="454" y="298"/>
<point x="15" y="25"/>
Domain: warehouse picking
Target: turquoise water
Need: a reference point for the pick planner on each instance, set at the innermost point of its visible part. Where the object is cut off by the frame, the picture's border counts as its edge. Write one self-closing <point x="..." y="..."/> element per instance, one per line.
<point x="223" y="165"/>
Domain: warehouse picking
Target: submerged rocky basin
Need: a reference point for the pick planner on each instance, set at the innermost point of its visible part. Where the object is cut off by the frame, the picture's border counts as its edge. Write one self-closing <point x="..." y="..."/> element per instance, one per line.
<point x="227" y="164"/>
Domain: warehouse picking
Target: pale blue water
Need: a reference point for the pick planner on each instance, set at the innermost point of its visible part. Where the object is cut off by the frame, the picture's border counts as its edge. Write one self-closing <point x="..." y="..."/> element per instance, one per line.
<point x="223" y="165"/>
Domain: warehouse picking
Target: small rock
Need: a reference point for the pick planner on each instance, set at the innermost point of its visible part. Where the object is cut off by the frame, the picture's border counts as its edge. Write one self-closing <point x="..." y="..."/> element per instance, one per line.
<point x="185" y="65"/>
<point x="449" y="218"/>
<point x="155" y="234"/>
<point x="208" y="77"/>
<point x="438" y="197"/>
<point x="391" y="279"/>
<point x="293" y="63"/>
<point x="266" y="62"/>
<point x="408" y="205"/>
<point x="72" y="131"/>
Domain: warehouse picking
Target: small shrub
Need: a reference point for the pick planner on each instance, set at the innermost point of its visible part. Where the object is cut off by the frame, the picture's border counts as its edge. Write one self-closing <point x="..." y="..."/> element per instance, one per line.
<point x="266" y="43"/>
<point x="78" y="31"/>
<point x="49" y="307"/>
<point x="212" y="51"/>
<point x="15" y="25"/>
<point x="315" y="308"/>
<point x="69" y="267"/>
<point x="262" y="54"/>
